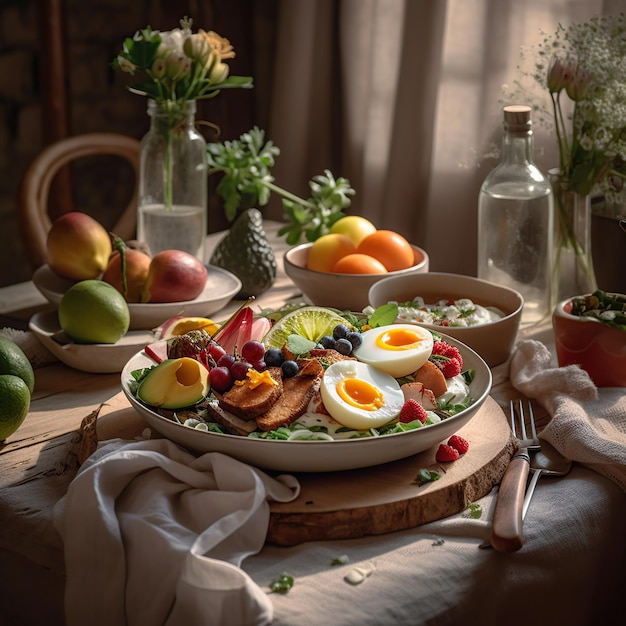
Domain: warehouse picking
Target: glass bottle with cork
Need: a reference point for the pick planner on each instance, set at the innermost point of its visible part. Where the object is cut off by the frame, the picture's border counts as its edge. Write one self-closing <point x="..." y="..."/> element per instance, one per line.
<point x="515" y="220"/>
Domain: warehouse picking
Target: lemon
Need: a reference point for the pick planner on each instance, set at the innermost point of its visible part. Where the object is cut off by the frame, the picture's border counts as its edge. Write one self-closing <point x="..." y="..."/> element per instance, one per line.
<point x="353" y="226"/>
<point x="14" y="361"/>
<point x="93" y="311"/>
<point x="310" y="322"/>
<point x="185" y="324"/>
<point x="14" y="404"/>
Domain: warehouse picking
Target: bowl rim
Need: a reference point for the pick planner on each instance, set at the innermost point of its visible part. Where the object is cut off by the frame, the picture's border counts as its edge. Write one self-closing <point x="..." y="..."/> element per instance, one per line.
<point x="289" y="262"/>
<point x="517" y="311"/>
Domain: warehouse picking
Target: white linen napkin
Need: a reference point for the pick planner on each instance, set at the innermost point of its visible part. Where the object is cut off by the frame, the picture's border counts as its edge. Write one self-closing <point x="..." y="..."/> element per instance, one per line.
<point x="154" y="535"/>
<point x="588" y="425"/>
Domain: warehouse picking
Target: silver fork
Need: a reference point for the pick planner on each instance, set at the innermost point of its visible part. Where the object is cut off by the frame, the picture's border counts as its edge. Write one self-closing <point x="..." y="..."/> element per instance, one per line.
<point x="506" y="530"/>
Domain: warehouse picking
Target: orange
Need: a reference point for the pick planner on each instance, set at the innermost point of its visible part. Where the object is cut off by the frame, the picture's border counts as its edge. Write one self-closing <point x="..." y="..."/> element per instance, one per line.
<point x="390" y="248"/>
<point x="183" y="325"/>
<point x="359" y="264"/>
<point x="327" y="250"/>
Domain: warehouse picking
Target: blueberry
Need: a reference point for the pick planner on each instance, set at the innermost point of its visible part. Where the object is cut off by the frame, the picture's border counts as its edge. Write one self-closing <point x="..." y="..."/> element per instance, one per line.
<point x="343" y="346"/>
<point x="327" y="342"/>
<point x="290" y="368"/>
<point x="274" y="357"/>
<point x="355" y="339"/>
<point x="340" y="331"/>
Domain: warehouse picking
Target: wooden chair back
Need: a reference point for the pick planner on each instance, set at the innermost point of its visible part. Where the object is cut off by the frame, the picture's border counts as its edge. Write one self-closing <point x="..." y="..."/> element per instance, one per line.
<point x="33" y="211"/>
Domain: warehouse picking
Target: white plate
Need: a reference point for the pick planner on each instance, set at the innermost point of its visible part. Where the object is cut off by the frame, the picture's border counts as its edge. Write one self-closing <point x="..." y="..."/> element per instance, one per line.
<point x="221" y="286"/>
<point x="99" y="358"/>
<point x="318" y="456"/>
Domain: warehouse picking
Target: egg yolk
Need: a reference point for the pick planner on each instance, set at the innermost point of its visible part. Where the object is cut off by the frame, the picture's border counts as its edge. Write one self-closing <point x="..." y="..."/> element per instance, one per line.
<point x="360" y="394"/>
<point x="398" y="339"/>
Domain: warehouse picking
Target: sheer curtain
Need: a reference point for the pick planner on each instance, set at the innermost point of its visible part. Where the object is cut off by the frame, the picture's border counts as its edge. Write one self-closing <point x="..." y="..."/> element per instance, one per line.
<point x="404" y="97"/>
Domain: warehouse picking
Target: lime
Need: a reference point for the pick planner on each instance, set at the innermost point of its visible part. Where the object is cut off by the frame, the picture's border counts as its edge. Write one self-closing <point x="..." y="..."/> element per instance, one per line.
<point x="14" y="361"/>
<point x="93" y="311"/>
<point x="310" y="322"/>
<point x="14" y="404"/>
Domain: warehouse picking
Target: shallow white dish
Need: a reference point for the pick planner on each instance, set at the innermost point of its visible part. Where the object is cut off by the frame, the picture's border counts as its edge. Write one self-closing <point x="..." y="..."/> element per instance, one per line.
<point x="96" y="358"/>
<point x="317" y="456"/>
<point x="221" y="287"/>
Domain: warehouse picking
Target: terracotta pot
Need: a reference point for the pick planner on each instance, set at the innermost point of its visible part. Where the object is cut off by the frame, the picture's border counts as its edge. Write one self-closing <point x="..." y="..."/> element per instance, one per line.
<point x="598" y="348"/>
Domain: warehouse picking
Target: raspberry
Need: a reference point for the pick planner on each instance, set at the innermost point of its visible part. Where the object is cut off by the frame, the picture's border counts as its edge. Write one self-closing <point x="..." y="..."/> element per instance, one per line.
<point x="443" y="348"/>
<point x="412" y="410"/>
<point x="459" y="444"/>
<point x="447" y="358"/>
<point x="445" y="454"/>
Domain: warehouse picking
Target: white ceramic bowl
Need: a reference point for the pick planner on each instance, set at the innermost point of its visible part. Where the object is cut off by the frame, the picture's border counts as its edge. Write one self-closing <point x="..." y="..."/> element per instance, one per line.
<point x="585" y="341"/>
<point x="318" y="456"/>
<point x="493" y="341"/>
<point x="96" y="358"/>
<point x="340" y="291"/>
<point x="221" y="287"/>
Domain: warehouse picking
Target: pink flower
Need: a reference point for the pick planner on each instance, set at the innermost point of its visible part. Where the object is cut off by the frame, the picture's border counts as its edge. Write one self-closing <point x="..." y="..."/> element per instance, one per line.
<point x="560" y="74"/>
<point x="578" y="87"/>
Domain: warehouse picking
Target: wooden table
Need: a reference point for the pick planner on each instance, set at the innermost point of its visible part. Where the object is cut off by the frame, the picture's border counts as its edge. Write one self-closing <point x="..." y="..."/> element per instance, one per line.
<point x="38" y="462"/>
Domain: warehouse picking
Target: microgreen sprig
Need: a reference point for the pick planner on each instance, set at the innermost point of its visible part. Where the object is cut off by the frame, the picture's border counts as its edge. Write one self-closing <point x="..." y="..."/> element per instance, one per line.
<point x="247" y="181"/>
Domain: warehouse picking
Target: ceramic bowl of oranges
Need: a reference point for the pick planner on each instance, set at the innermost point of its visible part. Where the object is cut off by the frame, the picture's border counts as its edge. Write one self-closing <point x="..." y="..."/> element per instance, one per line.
<point x="338" y="269"/>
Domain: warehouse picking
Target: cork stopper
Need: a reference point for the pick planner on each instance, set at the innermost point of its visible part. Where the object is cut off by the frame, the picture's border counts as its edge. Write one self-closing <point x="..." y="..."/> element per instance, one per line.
<point x="517" y="118"/>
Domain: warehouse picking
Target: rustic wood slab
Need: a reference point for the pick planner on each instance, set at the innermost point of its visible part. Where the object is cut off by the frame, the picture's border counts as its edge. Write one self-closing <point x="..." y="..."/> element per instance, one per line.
<point x="371" y="501"/>
<point x="386" y="498"/>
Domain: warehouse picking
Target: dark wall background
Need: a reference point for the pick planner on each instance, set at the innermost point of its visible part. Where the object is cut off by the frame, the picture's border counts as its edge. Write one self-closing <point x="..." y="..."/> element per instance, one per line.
<point x="97" y="97"/>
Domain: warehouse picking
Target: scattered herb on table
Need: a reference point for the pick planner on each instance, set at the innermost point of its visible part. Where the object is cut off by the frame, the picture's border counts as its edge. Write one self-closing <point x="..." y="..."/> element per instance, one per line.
<point x="340" y="560"/>
<point x="426" y="476"/>
<point x="247" y="182"/>
<point x="282" y="584"/>
<point x="473" y="511"/>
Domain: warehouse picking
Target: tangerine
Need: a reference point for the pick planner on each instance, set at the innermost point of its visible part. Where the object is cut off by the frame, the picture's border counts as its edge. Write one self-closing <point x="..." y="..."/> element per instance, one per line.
<point x="390" y="248"/>
<point x="359" y="264"/>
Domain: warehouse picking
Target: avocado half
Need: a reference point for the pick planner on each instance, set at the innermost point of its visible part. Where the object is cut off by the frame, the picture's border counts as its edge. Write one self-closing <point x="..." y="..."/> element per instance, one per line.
<point x="175" y="384"/>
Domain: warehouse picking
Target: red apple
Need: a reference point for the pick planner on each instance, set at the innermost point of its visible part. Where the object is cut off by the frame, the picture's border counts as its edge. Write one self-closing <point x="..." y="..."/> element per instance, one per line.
<point x="78" y="246"/>
<point x="137" y="266"/>
<point x="174" y="276"/>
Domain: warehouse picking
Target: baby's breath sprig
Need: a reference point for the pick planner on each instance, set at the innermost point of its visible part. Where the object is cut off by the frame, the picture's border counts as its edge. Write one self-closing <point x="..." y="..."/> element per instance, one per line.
<point x="582" y="69"/>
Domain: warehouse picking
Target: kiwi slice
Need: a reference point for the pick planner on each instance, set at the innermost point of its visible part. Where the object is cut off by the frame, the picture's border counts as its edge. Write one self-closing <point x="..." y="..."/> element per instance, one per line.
<point x="310" y="322"/>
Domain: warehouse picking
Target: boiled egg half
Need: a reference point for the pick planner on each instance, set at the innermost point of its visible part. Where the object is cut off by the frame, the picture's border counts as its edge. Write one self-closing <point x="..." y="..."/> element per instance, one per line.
<point x="360" y="396"/>
<point x="398" y="349"/>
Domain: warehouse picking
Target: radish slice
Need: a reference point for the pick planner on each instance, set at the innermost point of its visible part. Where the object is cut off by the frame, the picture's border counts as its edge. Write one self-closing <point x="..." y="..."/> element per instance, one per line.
<point x="157" y="351"/>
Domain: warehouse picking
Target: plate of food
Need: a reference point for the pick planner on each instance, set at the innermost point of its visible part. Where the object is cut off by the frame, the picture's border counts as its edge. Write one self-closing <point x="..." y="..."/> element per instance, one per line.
<point x="221" y="287"/>
<point x="339" y="408"/>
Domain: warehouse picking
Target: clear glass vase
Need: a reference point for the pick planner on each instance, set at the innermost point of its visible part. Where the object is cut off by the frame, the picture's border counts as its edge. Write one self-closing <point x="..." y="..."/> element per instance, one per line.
<point x="573" y="272"/>
<point x="172" y="197"/>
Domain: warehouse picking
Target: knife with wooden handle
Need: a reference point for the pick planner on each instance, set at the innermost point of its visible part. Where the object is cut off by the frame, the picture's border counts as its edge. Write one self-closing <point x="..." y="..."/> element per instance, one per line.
<point x="507" y="527"/>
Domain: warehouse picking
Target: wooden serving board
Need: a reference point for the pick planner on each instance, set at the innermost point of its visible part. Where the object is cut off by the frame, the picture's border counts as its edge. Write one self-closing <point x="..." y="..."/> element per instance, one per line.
<point x="370" y="501"/>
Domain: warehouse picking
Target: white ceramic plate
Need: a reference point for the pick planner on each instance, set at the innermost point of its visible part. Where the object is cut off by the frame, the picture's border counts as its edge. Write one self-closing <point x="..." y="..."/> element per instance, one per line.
<point x="221" y="286"/>
<point x="97" y="358"/>
<point x="318" y="456"/>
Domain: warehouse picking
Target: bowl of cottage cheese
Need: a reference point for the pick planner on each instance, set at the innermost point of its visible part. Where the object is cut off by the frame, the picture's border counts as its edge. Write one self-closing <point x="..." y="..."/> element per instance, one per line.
<point x="482" y="315"/>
